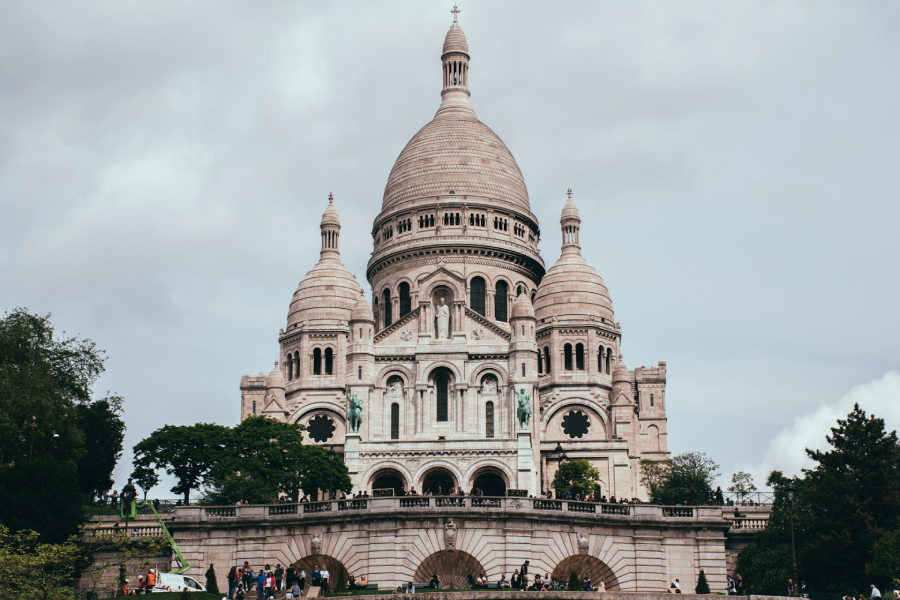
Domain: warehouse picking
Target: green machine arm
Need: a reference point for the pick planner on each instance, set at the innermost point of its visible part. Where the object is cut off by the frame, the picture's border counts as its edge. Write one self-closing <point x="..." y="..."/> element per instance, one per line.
<point x="132" y="513"/>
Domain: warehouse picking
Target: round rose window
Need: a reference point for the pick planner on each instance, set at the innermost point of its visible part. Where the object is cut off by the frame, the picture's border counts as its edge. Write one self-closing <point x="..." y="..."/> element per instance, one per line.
<point x="576" y="424"/>
<point x="320" y="429"/>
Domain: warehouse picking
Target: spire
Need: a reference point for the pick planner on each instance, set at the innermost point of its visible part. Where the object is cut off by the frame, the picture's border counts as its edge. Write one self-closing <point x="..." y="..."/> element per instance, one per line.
<point x="571" y="224"/>
<point x="331" y="229"/>
<point x="455" y="66"/>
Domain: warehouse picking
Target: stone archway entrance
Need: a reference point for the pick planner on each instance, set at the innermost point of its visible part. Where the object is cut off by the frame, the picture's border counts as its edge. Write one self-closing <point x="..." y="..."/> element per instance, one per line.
<point x="490" y="481"/>
<point x="336" y="569"/>
<point x="388" y="478"/>
<point x="583" y="564"/>
<point x="438" y="480"/>
<point x="453" y="568"/>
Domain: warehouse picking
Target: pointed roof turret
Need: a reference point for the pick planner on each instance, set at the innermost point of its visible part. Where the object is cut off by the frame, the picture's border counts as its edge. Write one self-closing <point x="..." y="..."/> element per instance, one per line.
<point x="570" y="221"/>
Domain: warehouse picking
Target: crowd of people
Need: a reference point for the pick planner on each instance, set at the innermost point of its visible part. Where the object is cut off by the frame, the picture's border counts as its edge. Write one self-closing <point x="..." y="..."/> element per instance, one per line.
<point x="244" y="583"/>
<point x="144" y="584"/>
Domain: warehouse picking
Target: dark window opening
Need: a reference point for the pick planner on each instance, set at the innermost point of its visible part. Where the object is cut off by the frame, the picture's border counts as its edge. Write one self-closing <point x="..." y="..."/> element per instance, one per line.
<point x="442" y="382"/>
<point x="489" y="419"/>
<point x="579" y="357"/>
<point x="317" y="361"/>
<point x="576" y="424"/>
<point x="320" y="428"/>
<point x="405" y="300"/>
<point x="387" y="308"/>
<point x="477" y="288"/>
<point x="395" y="421"/>
<point x="329" y="361"/>
<point x="359" y="373"/>
<point x="567" y="352"/>
<point x="501" y="301"/>
<point x="546" y="360"/>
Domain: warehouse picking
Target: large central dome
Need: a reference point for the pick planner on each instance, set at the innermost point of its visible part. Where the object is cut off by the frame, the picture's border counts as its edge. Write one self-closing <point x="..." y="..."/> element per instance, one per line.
<point x="455" y="153"/>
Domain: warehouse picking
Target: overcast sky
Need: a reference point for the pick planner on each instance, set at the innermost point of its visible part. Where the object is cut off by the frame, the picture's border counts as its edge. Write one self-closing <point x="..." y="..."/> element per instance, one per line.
<point x="164" y="165"/>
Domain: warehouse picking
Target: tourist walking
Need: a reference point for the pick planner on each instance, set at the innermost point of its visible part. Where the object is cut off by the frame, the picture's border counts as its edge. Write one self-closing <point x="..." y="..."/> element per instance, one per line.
<point x="232" y="582"/>
<point x="301" y="580"/>
<point x="325" y="580"/>
<point x="586" y="583"/>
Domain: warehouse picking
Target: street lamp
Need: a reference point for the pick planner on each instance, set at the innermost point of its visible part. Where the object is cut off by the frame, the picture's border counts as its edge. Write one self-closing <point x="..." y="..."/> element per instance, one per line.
<point x="790" y="490"/>
<point x="331" y="455"/>
<point x="32" y="431"/>
<point x="562" y="453"/>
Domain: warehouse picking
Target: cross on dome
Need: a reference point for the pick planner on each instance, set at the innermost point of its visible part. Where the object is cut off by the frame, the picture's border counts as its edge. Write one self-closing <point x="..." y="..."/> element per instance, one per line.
<point x="455" y="12"/>
<point x="330" y="198"/>
<point x="569" y="192"/>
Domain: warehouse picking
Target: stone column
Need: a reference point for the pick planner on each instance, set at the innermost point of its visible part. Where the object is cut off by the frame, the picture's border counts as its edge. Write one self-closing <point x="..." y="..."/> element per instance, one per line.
<point x="351" y="457"/>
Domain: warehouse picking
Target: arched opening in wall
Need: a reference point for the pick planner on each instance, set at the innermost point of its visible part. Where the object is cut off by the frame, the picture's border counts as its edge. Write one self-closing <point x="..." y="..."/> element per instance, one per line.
<point x="317" y="361"/>
<point x="608" y="352"/>
<point x="442" y="394"/>
<point x="329" y="361"/>
<point x="405" y="300"/>
<point x="490" y="481"/>
<point x="453" y="568"/>
<point x="600" y="360"/>
<point x="386" y="296"/>
<point x="583" y="564"/>
<point x="314" y="562"/>
<point x="489" y="419"/>
<point x="438" y="480"/>
<point x="296" y="365"/>
<point x="395" y="421"/>
<point x="653" y="435"/>
<point x="533" y="294"/>
<point x="376" y="311"/>
<point x="579" y="357"/>
<point x="477" y="292"/>
<point x="388" y="479"/>
<point x="501" y="301"/>
<point x="540" y="363"/>
<point x="567" y="356"/>
<point x="547" y="360"/>
<point x="651" y="400"/>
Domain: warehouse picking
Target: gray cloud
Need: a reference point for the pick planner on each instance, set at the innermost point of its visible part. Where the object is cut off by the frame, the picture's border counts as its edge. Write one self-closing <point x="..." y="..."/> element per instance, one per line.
<point x="163" y="168"/>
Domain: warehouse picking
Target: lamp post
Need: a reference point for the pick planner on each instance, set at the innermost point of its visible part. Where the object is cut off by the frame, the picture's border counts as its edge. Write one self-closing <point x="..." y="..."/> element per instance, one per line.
<point x="32" y="431"/>
<point x="331" y="455"/>
<point x="790" y="490"/>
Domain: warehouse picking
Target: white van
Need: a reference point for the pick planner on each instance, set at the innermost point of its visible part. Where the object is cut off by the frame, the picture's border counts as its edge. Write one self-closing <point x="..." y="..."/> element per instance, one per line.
<point x="169" y="582"/>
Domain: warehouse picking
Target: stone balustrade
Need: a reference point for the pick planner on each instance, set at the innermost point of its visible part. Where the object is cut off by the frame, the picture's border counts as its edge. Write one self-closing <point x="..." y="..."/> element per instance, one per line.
<point x="459" y="504"/>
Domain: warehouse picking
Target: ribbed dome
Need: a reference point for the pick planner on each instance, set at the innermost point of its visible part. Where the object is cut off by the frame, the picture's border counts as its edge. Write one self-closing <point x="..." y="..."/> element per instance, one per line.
<point x="326" y="296"/>
<point x="573" y="291"/>
<point x="362" y="311"/>
<point x="330" y="216"/>
<point x="456" y="40"/>
<point x="275" y="379"/>
<point x="522" y="308"/>
<point x="455" y="152"/>
<point x="570" y="211"/>
<point x="621" y="373"/>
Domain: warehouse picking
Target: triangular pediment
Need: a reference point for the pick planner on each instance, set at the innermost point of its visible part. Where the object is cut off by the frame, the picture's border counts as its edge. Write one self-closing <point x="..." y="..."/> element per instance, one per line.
<point x="622" y="399"/>
<point x="442" y="271"/>
<point x="476" y="326"/>
<point x="403" y="332"/>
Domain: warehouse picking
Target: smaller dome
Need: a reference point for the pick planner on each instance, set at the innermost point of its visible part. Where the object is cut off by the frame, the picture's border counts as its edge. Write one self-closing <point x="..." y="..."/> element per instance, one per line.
<point x="362" y="311"/>
<point x="275" y="379"/>
<point x="621" y="374"/>
<point x="569" y="211"/>
<point x="330" y="216"/>
<point x="456" y="40"/>
<point x="572" y="291"/>
<point x="522" y="308"/>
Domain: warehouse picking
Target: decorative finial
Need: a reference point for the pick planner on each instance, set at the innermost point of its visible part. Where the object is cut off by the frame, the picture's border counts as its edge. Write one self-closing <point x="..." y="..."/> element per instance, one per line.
<point x="569" y="192"/>
<point x="330" y="198"/>
<point x="276" y="364"/>
<point x="455" y="12"/>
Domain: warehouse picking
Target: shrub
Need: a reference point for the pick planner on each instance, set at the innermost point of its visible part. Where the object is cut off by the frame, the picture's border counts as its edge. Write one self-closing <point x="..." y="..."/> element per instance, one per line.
<point x="212" y="586"/>
<point x="702" y="585"/>
<point x="574" y="583"/>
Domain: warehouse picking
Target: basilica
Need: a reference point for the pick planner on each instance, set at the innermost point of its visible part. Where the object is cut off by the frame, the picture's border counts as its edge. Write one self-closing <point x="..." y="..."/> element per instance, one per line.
<point x="470" y="365"/>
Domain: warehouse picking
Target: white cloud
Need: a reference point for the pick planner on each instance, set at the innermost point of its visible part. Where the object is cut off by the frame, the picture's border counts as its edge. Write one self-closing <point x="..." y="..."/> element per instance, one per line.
<point x="786" y="451"/>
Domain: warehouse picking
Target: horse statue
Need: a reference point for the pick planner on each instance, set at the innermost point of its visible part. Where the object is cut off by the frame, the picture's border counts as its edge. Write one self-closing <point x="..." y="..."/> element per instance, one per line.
<point x="354" y="411"/>
<point x="524" y="410"/>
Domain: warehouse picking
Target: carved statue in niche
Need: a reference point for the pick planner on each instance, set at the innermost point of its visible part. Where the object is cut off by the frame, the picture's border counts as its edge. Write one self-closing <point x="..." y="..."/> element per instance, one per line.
<point x="394" y="388"/>
<point x="442" y="299"/>
<point x="450" y="533"/>
<point x="489" y="385"/>
<point x="583" y="543"/>
<point x="315" y="546"/>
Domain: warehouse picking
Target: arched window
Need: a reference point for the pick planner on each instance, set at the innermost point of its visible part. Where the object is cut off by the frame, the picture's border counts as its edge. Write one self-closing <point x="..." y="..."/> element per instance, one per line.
<point x="540" y="362"/>
<point x="579" y="357"/>
<point x="477" y="287"/>
<point x="523" y="369"/>
<point x="387" y="308"/>
<point x="489" y="419"/>
<point x="329" y="360"/>
<point x="405" y="301"/>
<point x="296" y="364"/>
<point x="547" y="360"/>
<point x="651" y="399"/>
<point x="254" y="407"/>
<point x="600" y="360"/>
<point x="317" y="361"/>
<point x="359" y="373"/>
<point x="608" y="352"/>
<point x="567" y="353"/>
<point x="442" y="383"/>
<point x="501" y="301"/>
<point x="395" y="421"/>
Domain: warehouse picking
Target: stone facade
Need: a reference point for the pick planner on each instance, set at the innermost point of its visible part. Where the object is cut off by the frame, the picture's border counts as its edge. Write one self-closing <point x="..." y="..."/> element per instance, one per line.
<point x="463" y="322"/>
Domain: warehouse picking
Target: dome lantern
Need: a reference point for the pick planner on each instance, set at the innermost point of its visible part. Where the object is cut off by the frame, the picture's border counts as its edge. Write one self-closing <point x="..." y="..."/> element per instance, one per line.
<point x="331" y="228"/>
<point x="570" y="221"/>
<point x="455" y="67"/>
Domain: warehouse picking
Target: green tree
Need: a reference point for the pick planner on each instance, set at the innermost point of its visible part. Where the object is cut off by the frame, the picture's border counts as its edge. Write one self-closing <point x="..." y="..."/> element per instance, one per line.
<point x="32" y="569"/>
<point x="885" y="560"/>
<point x="688" y="479"/>
<point x="702" y="584"/>
<point x="260" y="452"/>
<point x="742" y="484"/>
<point x="576" y="476"/>
<point x="843" y="508"/>
<point x="654" y="474"/>
<point x="40" y="496"/>
<point x="574" y="583"/>
<point x="321" y="472"/>
<point x="104" y="431"/>
<point x="188" y="452"/>
<point x="212" y="586"/>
